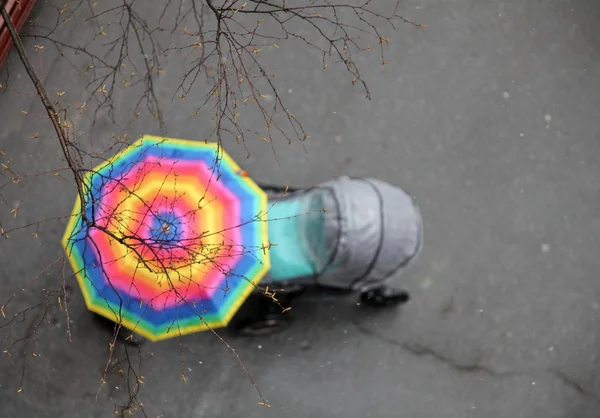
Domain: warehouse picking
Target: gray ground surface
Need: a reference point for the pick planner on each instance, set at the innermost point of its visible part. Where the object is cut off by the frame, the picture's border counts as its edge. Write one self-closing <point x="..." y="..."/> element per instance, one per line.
<point x="490" y="117"/>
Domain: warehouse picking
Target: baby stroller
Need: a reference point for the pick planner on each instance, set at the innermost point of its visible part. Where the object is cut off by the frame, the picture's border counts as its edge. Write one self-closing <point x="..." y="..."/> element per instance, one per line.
<point x="347" y="235"/>
<point x="344" y="235"/>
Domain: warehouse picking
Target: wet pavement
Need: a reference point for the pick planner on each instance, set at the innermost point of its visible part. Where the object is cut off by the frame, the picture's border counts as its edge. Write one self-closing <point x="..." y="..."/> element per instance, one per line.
<point x="489" y="116"/>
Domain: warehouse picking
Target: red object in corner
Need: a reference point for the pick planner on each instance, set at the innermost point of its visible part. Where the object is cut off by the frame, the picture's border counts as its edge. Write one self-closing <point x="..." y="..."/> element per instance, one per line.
<point x="19" y="11"/>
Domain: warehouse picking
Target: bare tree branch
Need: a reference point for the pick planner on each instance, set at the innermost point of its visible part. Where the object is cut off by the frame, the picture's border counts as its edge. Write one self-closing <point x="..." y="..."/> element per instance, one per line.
<point x="220" y="43"/>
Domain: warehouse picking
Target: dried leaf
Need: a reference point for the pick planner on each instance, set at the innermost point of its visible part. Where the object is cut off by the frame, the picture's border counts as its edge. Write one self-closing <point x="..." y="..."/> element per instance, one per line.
<point x="426" y="283"/>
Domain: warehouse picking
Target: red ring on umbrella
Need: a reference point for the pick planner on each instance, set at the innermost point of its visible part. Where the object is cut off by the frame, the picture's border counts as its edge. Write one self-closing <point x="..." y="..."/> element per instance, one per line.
<point x="209" y="284"/>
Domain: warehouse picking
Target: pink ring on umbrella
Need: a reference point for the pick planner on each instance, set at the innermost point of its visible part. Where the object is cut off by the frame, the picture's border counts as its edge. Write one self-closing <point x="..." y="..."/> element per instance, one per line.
<point x="118" y="273"/>
<point x="210" y="282"/>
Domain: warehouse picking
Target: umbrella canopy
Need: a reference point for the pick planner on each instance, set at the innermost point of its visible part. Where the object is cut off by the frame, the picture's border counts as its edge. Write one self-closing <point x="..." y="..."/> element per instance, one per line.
<point x="170" y="239"/>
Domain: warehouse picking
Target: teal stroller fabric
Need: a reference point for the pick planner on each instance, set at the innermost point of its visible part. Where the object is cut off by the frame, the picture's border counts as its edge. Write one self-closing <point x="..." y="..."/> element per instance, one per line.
<point x="297" y="232"/>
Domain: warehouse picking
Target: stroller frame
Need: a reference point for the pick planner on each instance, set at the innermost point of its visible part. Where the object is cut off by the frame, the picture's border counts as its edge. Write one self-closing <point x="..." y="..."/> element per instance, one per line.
<point x="264" y="313"/>
<point x="261" y="315"/>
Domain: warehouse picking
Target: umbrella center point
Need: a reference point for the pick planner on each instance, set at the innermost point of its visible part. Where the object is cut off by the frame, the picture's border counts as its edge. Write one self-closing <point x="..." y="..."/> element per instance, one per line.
<point x="166" y="229"/>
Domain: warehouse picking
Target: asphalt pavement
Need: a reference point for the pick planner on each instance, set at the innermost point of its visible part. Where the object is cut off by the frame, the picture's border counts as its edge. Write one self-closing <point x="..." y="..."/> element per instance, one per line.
<point x="489" y="116"/>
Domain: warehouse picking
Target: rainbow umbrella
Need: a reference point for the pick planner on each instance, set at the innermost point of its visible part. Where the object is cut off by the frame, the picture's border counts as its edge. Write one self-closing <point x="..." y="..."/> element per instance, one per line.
<point x="169" y="237"/>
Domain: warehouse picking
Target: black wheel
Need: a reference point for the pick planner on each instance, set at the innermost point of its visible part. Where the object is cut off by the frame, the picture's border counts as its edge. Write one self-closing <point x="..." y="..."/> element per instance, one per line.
<point x="131" y="338"/>
<point x="267" y="325"/>
<point x="384" y="297"/>
<point x="124" y="335"/>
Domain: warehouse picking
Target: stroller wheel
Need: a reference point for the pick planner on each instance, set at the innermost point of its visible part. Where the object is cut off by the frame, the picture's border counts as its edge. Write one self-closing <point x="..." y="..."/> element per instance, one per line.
<point x="131" y="338"/>
<point x="124" y="335"/>
<point x="269" y="324"/>
<point x="384" y="297"/>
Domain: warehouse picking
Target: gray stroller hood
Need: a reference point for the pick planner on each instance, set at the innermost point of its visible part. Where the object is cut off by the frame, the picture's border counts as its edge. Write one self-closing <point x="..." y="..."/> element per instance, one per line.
<point x="379" y="231"/>
<point x="345" y="233"/>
